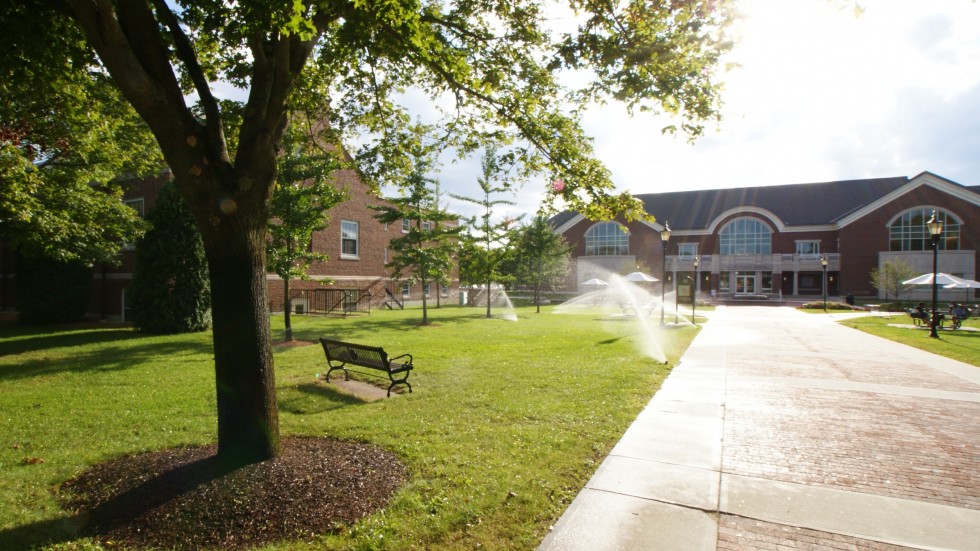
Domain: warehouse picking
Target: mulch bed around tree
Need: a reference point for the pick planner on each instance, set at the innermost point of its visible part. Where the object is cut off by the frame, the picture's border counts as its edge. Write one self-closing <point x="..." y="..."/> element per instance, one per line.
<point x="181" y="499"/>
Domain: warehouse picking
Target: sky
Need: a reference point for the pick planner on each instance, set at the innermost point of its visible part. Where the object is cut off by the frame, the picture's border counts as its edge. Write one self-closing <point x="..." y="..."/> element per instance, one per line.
<point x="819" y="93"/>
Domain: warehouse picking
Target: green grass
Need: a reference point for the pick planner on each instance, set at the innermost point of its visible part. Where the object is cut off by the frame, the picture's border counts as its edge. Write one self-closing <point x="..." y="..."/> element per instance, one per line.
<point x="958" y="345"/>
<point x="507" y="422"/>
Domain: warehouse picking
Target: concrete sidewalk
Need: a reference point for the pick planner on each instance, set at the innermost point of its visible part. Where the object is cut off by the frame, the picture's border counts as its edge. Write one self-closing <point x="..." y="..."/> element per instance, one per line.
<point x="783" y="430"/>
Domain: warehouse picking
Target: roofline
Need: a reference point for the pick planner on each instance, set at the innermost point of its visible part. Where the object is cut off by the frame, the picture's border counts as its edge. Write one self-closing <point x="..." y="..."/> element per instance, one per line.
<point x="923" y="179"/>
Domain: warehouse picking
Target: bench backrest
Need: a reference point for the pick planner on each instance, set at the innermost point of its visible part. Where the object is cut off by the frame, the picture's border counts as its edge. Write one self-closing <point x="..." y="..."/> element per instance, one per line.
<point x="358" y="354"/>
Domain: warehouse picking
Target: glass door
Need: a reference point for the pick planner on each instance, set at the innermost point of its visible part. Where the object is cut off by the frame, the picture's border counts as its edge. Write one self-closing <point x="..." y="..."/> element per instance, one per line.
<point x="745" y="283"/>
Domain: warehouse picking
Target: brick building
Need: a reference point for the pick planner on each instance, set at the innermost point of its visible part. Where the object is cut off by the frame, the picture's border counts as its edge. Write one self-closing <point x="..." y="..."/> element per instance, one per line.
<point x="354" y="278"/>
<point x="769" y="241"/>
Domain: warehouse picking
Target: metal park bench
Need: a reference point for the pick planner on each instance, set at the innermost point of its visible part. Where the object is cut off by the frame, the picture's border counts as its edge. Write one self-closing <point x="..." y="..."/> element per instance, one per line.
<point x="341" y="354"/>
<point x="923" y="318"/>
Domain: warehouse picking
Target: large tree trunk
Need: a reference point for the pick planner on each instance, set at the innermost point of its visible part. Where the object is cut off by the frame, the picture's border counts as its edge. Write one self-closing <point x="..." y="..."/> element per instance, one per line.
<point x="248" y="421"/>
<point x="228" y="194"/>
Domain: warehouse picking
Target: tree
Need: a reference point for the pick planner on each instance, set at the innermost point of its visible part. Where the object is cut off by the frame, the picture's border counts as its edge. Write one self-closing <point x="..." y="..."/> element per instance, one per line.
<point x="540" y="256"/>
<point x="170" y="292"/>
<point x="66" y="135"/>
<point x="303" y="195"/>
<point x="490" y="239"/>
<point x="424" y="254"/>
<point x="889" y="277"/>
<point x="495" y="62"/>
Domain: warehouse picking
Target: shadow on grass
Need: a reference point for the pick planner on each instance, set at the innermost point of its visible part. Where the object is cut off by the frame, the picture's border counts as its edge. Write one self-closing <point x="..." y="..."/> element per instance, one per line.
<point x="101" y="358"/>
<point x="119" y="510"/>
<point x="43" y="338"/>
<point x="311" y="398"/>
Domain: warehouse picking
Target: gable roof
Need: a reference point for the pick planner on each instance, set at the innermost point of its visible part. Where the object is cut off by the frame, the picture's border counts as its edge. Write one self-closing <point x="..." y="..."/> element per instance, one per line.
<point x="795" y="204"/>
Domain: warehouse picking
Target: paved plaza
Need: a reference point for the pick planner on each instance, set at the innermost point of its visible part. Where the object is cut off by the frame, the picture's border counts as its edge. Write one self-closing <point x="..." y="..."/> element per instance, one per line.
<point x="780" y="430"/>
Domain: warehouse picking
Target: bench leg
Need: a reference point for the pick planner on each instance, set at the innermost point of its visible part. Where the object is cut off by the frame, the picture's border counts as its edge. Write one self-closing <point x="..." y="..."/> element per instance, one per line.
<point x="401" y="382"/>
<point x="332" y="369"/>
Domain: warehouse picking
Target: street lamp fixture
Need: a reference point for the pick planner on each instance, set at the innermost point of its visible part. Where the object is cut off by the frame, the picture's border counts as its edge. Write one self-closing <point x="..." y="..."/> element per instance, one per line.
<point x="823" y="262"/>
<point x="694" y="301"/>
<point x="935" y="226"/>
<point x="664" y="237"/>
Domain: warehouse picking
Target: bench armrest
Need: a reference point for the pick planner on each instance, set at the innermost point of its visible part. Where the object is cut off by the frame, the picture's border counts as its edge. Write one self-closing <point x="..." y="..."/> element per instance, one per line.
<point x="409" y="356"/>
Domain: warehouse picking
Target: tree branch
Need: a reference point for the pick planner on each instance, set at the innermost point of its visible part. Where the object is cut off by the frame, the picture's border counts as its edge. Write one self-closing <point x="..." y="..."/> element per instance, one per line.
<point x="185" y="53"/>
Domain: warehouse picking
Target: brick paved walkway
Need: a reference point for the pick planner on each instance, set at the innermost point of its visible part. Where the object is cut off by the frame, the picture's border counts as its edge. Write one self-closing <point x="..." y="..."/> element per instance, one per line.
<point x="780" y="430"/>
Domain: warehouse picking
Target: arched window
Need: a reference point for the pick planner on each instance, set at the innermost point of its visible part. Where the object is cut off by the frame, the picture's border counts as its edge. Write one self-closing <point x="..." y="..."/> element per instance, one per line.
<point x="746" y="236"/>
<point x="607" y="239"/>
<point x="908" y="232"/>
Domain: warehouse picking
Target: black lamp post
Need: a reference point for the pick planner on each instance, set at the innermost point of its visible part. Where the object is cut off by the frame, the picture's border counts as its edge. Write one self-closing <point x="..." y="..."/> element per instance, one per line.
<point x="823" y="262"/>
<point x="664" y="237"/>
<point x="935" y="226"/>
<point x="694" y="301"/>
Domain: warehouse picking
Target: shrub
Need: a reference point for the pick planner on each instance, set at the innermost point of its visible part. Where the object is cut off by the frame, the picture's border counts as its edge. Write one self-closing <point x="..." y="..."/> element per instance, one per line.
<point x="830" y="306"/>
<point x="52" y="291"/>
<point x="170" y="291"/>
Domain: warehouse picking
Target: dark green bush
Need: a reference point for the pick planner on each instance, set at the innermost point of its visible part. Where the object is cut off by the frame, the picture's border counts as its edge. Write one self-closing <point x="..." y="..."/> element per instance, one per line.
<point x="818" y="305"/>
<point x="170" y="291"/>
<point x="51" y="291"/>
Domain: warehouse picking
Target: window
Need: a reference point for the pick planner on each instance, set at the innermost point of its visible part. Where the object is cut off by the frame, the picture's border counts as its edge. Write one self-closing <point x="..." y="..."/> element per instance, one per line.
<point x="445" y="290"/>
<point x="426" y="226"/>
<point x="348" y="239"/>
<point x="687" y="250"/>
<point x="724" y="280"/>
<point x="607" y="239"/>
<point x="808" y="249"/>
<point x="746" y="236"/>
<point x="428" y="290"/>
<point x="139" y="206"/>
<point x="406" y="289"/>
<point x="406" y="225"/>
<point x="909" y="232"/>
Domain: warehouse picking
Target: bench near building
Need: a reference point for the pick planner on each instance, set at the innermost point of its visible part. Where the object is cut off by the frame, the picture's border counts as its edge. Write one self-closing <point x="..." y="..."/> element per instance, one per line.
<point x="768" y="242"/>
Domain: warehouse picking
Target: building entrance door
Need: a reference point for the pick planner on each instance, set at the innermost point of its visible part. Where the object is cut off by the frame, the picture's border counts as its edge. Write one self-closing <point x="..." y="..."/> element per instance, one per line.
<point x="745" y="283"/>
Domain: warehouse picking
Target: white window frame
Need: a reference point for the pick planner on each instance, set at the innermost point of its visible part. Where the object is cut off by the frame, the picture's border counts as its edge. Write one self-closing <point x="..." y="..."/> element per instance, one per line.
<point x="812" y="244"/>
<point x="687" y="250"/>
<point x="406" y="225"/>
<point x="406" y="289"/>
<point x="345" y="236"/>
<point x="139" y="205"/>
<point x="607" y="239"/>
<point x="426" y="225"/>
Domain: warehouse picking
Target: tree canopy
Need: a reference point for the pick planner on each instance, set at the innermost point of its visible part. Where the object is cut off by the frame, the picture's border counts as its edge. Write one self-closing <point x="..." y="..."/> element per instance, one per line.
<point x="498" y="63"/>
<point x="67" y="142"/>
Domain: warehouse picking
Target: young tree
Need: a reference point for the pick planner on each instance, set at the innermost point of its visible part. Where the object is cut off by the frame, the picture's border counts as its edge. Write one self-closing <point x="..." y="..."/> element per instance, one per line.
<point x="303" y="195"/>
<point x="496" y="60"/>
<point x="424" y="254"/>
<point x="540" y="256"/>
<point x="170" y="291"/>
<point x="889" y="278"/>
<point x="490" y="239"/>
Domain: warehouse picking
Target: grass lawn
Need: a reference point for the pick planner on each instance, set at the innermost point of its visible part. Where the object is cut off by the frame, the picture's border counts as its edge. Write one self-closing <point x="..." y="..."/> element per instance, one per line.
<point x="507" y="422"/>
<point x="958" y="345"/>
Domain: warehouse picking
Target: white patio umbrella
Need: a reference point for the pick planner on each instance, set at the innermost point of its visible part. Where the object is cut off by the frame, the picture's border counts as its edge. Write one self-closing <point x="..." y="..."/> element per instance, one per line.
<point x="963" y="284"/>
<point x="966" y="285"/>
<point x="926" y="279"/>
<point x="639" y="277"/>
<point x="595" y="282"/>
